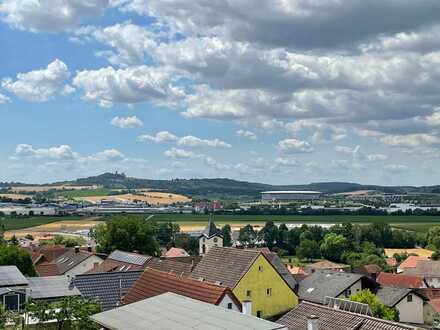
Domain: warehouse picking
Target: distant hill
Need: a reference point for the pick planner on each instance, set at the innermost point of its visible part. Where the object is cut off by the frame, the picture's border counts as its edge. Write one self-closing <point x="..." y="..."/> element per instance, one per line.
<point x="233" y="188"/>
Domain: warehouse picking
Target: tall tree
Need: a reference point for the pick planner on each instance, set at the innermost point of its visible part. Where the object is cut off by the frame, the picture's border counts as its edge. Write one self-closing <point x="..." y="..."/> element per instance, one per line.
<point x="269" y="234"/>
<point x="247" y="236"/>
<point x="13" y="255"/>
<point x="227" y="235"/>
<point x="308" y="249"/>
<point x="333" y="246"/>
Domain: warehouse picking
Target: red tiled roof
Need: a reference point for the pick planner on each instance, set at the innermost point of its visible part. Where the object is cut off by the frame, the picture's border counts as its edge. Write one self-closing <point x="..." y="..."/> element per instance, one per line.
<point x="47" y="269"/>
<point x="411" y="262"/>
<point x="154" y="282"/>
<point x="431" y="293"/>
<point x="400" y="281"/>
<point x="49" y="252"/>
<point x="435" y="304"/>
<point x="176" y="252"/>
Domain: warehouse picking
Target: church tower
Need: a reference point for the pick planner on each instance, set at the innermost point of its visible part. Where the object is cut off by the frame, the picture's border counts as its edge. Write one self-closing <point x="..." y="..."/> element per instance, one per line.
<point x="211" y="236"/>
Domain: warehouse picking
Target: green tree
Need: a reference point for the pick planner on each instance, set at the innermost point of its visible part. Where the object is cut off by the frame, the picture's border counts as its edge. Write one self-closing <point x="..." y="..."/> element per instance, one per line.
<point x="3" y="317"/>
<point x="308" y="249"/>
<point x="269" y="234"/>
<point x="247" y="236"/>
<point x="376" y="307"/>
<point x="433" y="237"/>
<point x="227" y="235"/>
<point x="334" y="246"/>
<point x="14" y="240"/>
<point x="13" y="255"/>
<point x="166" y="232"/>
<point x="188" y="243"/>
<point x="127" y="233"/>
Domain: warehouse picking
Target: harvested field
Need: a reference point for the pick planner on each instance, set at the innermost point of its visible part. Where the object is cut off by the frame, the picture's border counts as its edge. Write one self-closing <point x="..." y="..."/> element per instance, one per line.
<point x="154" y="198"/>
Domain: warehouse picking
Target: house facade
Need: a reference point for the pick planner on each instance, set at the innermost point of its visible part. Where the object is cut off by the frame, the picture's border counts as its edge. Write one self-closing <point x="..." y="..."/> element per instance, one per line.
<point x="210" y="237"/>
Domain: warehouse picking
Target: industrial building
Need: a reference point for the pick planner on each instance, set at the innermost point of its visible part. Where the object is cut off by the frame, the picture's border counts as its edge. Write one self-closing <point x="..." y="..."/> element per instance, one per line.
<point x="286" y="196"/>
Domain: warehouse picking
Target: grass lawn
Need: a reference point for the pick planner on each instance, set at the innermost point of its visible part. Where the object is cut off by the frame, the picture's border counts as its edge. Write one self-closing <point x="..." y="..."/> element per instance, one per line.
<point x="196" y="218"/>
<point x="416" y="227"/>
<point x="21" y="223"/>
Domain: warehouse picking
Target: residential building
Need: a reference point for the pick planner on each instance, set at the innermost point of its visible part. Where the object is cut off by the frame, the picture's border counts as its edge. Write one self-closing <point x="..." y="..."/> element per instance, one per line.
<point x="410" y="263"/>
<point x="210" y="237"/>
<point x="121" y="261"/>
<point x="175" y="253"/>
<point x="13" y="287"/>
<point x="321" y="284"/>
<point x="401" y="281"/>
<point x="428" y="269"/>
<point x="407" y="302"/>
<point x="370" y="270"/>
<point x="107" y="288"/>
<point x="51" y="288"/>
<point x="251" y="276"/>
<point x="172" y="311"/>
<point x="312" y="316"/>
<point x="153" y="283"/>
<point x="182" y="266"/>
<point x="327" y="265"/>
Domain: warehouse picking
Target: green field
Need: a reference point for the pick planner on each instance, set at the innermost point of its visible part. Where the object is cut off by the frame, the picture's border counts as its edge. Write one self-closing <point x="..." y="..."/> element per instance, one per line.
<point x="416" y="227"/>
<point x="21" y="223"/>
<point x="196" y="218"/>
<point x="84" y="192"/>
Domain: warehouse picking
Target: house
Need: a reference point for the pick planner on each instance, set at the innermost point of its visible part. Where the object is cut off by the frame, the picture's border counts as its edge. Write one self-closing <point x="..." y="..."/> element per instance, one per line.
<point x="121" y="261"/>
<point x="210" y="237"/>
<point x="312" y="316"/>
<point x="13" y="287"/>
<point x="401" y="281"/>
<point x="172" y="311"/>
<point x="370" y="270"/>
<point x="45" y="253"/>
<point x="107" y="288"/>
<point x="321" y="284"/>
<point x="73" y="262"/>
<point x="181" y="266"/>
<point x="409" y="263"/>
<point x="407" y="302"/>
<point x="51" y="288"/>
<point x="175" y="253"/>
<point x="326" y="265"/>
<point x="153" y="283"/>
<point x="251" y="276"/>
<point x="428" y="269"/>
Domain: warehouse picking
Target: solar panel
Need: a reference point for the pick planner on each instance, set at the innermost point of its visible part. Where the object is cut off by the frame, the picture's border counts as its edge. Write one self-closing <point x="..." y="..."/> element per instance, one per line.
<point x="347" y="305"/>
<point x="131" y="258"/>
<point x="10" y="275"/>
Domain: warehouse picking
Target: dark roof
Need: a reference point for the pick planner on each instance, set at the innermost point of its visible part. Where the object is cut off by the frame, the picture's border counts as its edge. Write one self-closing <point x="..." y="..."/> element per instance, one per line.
<point x="225" y="266"/>
<point x="367" y="269"/>
<point x="390" y="296"/>
<point x="11" y="276"/>
<point x="130" y="258"/>
<point x="153" y="282"/>
<point x="281" y="269"/>
<point x="71" y="259"/>
<point x="400" y="280"/>
<point x="425" y="268"/>
<point x="211" y="229"/>
<point x="332" y="319"/>
<point x="51" y="287"/>
<point x="171" y="265"/>
<point x="321" y="284"/>
<point x="107" y="288"/>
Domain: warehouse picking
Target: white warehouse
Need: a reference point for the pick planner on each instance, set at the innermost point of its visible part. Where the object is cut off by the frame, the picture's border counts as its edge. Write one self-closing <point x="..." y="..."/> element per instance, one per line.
<point x="284" y="196"/>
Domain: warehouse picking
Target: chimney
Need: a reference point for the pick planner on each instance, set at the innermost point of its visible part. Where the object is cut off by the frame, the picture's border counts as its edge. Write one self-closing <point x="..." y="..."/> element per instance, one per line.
<point x="246" y="306"/>
<point x="312" y="322"/>
<point x="76" y="249"/>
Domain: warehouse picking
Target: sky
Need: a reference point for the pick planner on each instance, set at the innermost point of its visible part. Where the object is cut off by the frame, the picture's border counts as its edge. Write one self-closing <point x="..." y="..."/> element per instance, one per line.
<point x="282" y="92"/>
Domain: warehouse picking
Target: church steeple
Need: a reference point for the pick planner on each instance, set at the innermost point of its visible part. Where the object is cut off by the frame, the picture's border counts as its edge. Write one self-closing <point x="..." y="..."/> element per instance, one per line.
<point x="210" y="237"/>
<point x="211" y="229"/>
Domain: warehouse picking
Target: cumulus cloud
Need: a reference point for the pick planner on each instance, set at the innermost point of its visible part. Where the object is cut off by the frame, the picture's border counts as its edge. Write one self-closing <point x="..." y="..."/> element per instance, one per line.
<point x="39" y="85"/>
<point x="136" y="84"/>
<point x="376" y="157"/>
<point x="292" y="146"/>
<point x="4" y="99"/>
<point x="282" y="161"/>
<point x="185" y="141"/>
<point x="49" y="15"/>
<point x="180" y="153"/>
<point x="126" y="122"/>
<point x="247" y="134"/>
<point x="163" y="136"/>
<point x="109" y="155"/>
<point x="59" y="152"/>
<point x="411" y="140"/>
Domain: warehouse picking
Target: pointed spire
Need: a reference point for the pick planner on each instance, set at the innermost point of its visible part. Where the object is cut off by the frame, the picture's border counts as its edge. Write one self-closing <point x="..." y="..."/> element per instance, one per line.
<point x="211" y="229"/>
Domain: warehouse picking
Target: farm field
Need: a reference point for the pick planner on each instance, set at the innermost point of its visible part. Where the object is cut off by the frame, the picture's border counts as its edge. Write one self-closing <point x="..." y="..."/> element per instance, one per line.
<point x="26" y="189"/>
<point x="416" y="227"/>
<point x="155" y="198"/>
<point x="22" y="223"/>
<point x="84" y="193"/>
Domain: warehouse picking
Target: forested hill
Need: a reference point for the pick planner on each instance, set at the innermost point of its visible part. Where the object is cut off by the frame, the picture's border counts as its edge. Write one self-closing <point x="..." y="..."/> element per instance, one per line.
<point x="209" y="187"/>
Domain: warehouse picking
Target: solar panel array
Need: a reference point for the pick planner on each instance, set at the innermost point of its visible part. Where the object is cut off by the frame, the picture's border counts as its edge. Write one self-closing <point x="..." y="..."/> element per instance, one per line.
<point x="347" y="305"/>
<point x="131" y="258"/>
<point x="51" y="287"/>
<point x="10" y="276"/>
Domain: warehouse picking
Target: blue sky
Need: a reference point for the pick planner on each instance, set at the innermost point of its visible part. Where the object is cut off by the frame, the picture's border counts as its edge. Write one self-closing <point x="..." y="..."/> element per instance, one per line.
<point x="290" y="92"/>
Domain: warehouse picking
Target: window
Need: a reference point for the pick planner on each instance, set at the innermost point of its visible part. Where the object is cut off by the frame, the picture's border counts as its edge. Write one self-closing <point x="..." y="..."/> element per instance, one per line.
<point x="215" y="239"/>
<point x="259" y="313"/>
<point x="269" y="291"/>
<point x="260" y="268"/>
<point x="229" y="305"/>
<point x="248" y="293"/>
<point x="409" y="298"/>
<point x="203" y="249"/>
<point x="204" y="240"/>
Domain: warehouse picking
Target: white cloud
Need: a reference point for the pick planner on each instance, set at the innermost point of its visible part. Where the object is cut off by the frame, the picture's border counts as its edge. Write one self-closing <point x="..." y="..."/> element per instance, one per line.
<point x="109" y="155"/>
<point x="180" y="153"/>
<point x="107" y="86"/>
<point x="352" y="151"/>
<point x="291" y="146"/>
<point x="376" y="157"/>
<point x="160" y="137"/>
<point x="281" y="161"/>
<point x="49" y="15"/>
<point x="59" y="152"/>
<point x="396" y="167"/>
<point x="39" y="85"/>
<point x="411" y="140"/>
<point x="4" y="99"/>
<point x="246" y="134"/>
<point x="127" y="122"/>
<point x="192" y="141"/>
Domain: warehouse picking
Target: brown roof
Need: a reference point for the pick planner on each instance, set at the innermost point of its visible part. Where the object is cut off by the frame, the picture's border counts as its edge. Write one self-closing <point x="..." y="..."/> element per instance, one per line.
<point x="435" y="304"/>
<point x="400" y="280"/>
<point x="411" y="262"/>
<point x="176" y="252"/>
<point x="225" y="266"/>
<point x="425" y="268"/>
<point x="392" y="262"/>
<point x="326" y="264"/>
<point x="430" y="293"/>
<point x="47" y="252"/>
<point x="153" y="283"/>
<point x="170" y="265"/>
<point x="47" y="269"/>
<point x="332" y="319"/>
